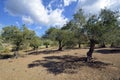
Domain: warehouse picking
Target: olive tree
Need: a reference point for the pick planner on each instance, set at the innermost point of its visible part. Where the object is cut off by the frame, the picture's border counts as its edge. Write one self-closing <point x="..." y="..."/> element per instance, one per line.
<point x="35" y="42"/>
<point x="98" y="28"/>
<point x="61" y="36"/>
<point x="16" y="36"/>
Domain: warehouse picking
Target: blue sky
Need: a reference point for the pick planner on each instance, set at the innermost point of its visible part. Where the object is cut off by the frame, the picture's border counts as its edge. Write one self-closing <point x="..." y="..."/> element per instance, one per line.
<point x="39" y="15"/>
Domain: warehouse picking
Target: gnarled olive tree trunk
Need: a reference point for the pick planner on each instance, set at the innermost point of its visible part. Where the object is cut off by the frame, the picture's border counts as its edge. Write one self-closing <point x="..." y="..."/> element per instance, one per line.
<point x="16" y="53"/>
<point x="91" y="49"/>
<point x="60" y="46"/>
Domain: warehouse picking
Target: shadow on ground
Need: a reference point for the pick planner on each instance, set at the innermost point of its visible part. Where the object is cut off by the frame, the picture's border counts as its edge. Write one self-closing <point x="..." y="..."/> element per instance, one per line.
<point x="109" y="51"/>
<point x="6" y="56"/>
<point x="66" y="64"/>
<point x="43" y="52"/>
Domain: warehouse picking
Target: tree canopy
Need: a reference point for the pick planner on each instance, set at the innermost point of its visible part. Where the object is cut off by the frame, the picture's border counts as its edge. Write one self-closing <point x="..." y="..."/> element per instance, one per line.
<point x="16" y="36"/>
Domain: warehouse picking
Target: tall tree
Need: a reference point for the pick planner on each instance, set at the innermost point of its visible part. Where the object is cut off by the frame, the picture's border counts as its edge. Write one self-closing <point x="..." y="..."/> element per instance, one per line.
<point x="110" y="24"/>
<point x="97" y="27"/>
<point x="72" y="27"/>
<point x="77" y="27"/>
<point x="77" y="30"/>
<point x="93" y="31"/>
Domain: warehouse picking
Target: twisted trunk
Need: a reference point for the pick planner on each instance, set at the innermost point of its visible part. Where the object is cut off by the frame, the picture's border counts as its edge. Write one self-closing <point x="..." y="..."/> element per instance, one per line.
<point x="91" y="49"/>
<point x="60" y="46"/>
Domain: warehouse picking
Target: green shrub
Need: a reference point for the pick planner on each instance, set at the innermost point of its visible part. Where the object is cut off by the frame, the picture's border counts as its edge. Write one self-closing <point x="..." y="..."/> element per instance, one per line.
<point x="6" y="50"/>
<point x="1" y="48"/>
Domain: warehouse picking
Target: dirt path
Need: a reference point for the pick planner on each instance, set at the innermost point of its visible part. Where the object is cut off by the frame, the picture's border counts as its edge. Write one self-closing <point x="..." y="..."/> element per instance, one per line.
<point x="65" y="65"/>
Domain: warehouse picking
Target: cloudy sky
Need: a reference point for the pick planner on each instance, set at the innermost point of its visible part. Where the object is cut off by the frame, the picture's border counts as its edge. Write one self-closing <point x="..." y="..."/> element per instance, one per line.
<point x="39" y="15"/>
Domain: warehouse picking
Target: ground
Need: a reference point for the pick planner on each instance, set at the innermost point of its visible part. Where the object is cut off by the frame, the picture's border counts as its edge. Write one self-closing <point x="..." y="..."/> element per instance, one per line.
<point x="62" y="65"/>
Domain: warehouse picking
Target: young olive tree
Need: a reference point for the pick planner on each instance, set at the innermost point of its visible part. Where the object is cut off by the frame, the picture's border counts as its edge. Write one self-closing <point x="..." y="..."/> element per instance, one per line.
<point x="46" y="42"/>
<point x="16" y="36"/>
<point x="35" y="42"/>
<point x="61" y="36"/>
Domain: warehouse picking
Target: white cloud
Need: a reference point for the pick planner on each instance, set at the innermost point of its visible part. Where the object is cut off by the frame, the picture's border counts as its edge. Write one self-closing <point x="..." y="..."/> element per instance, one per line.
<point x="94" y="6"/>
<point x="68" y="2"/>
<point x="50" y="4"/>
<point x="100" y="4"/>
<point x="54" y="16"/>
<point x="33" y="11"/>
<point x="38" y="28"/>
<point x="27" y="20"/>
<point x="115" y="4"/>
<point x="82" y="1"/>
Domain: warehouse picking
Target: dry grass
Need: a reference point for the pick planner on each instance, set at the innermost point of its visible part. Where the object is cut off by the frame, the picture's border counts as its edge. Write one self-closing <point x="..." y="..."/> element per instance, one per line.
<point x="66" y="65"/>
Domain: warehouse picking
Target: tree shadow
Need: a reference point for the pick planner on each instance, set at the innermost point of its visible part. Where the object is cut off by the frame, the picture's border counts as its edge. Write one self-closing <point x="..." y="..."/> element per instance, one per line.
<point x="109" y="51"/>
<point x="6" y="56"/>
<point x="29" y="50"/>
<point x="43" y="52"/>
<point x="66" y="64"/>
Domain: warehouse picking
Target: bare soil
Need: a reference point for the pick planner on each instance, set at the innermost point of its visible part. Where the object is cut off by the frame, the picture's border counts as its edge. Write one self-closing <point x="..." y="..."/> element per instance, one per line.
<point x="62" y="65"/>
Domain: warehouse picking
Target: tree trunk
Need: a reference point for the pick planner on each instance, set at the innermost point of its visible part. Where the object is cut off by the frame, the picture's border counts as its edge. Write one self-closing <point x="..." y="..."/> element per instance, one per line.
<point x="16" y="52"/>
<point x="46" y="46"/>
<point x="60" y="46"/>
<point x="112" y="45"/>
<point x="79" y="45"/>
<point x="102" y="45"/>
<point x="91" y="49"/>
<point x="34" y="47"/>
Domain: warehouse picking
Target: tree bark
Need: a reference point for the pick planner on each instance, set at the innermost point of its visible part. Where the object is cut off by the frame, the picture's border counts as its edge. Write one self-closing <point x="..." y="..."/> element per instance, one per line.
<point x="112" y="45"/>
<point x="79" y="45"/>
<point x="46" y="46"/>
<point x="16" y="52"/>
<point x="91" y="49"/>
<point x="60" y="46"/>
